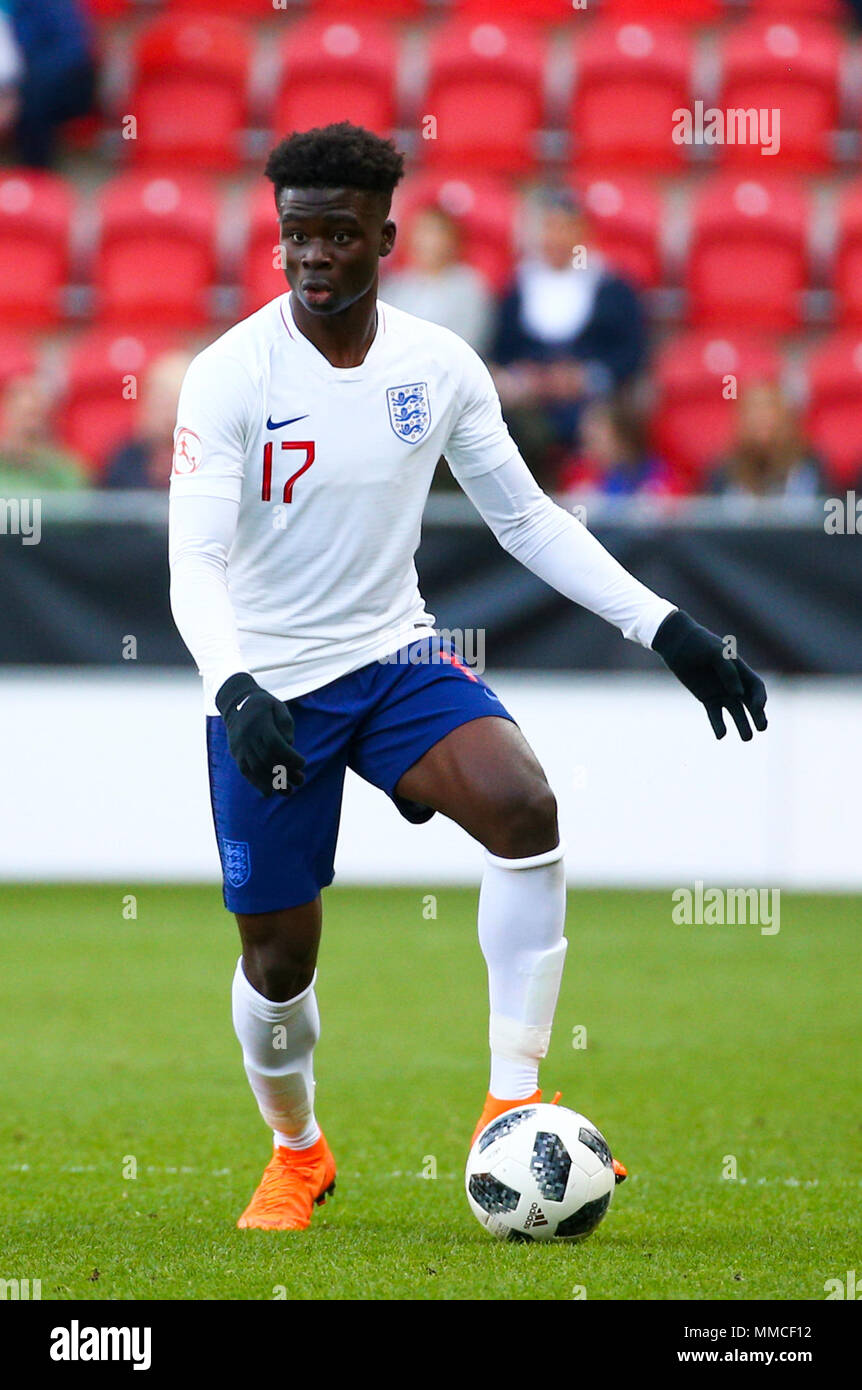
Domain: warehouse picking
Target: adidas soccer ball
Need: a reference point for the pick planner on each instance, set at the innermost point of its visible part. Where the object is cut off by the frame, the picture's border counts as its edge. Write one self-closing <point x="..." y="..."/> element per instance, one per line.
<point x="540" y="1172"/>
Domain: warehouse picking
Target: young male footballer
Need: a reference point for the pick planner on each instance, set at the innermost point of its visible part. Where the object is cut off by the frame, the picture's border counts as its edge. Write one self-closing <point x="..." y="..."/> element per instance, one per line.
<point x="307" y="437"/>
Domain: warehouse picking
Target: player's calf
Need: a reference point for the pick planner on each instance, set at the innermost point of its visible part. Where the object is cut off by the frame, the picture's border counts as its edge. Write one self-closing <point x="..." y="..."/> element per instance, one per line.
<point x="279" y="949"/>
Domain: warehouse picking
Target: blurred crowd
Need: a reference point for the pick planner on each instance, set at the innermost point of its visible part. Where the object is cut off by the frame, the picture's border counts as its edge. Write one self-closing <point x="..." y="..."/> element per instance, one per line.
<point x="567" y="341"/>
<point x="47" y="74"/>
<point x="567" y="345"/>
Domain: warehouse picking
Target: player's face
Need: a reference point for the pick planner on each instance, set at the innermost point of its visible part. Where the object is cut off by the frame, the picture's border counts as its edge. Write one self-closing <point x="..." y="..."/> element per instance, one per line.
<point x="332" y="240"/>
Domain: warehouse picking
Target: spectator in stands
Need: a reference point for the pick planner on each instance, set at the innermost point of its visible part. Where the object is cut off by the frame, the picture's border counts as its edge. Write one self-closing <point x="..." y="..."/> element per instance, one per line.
<point x="769" y="456"/>
<point x="47" y="74"/>
<point x="437" y="284"/>
<point x="11" y="68"/>
<point x="568" y="330"/>
<point x="614" y="458"/>
<point x="30" y="458"/>
<point x="144" y="460"/>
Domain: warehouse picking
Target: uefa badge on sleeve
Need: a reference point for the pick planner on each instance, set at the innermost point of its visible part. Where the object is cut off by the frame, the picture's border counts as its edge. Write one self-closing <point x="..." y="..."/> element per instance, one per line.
<point x="188" y="452"/>
<point x="409" y="411"/>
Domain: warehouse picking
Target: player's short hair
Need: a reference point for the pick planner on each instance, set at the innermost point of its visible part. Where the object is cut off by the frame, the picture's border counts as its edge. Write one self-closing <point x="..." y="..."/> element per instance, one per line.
<point x="340" y="155"/>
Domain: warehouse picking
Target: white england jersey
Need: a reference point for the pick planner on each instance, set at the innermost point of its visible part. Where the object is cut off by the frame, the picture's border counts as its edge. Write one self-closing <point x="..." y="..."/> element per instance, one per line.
<point x="331" y="468"/>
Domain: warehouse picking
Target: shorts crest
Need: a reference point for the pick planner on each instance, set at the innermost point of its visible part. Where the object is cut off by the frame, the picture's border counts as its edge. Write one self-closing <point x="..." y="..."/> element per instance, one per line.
<point x="237" y="862"/>
<point x="409" y="411"/>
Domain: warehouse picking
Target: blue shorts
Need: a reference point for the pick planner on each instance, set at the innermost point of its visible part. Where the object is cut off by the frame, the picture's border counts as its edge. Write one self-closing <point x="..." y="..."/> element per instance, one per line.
<point x="278" y="851"/>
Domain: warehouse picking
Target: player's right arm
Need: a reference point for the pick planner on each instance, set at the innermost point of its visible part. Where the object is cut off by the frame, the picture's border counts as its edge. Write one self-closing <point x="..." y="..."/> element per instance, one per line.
<point x="214" y="416"/>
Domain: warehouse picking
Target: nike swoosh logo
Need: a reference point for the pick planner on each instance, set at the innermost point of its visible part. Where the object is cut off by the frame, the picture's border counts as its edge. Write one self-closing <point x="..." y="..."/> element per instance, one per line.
<point x="280" y="424"/>
<point x="241" y="703"/>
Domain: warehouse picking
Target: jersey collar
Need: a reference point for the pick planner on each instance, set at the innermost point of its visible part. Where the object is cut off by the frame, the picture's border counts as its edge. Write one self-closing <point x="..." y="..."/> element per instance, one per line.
<point x="316" y="358"/>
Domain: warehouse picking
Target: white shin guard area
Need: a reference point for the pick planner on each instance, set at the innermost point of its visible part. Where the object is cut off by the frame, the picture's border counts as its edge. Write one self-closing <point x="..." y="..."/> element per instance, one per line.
<point x="522" y="909"/>
<point x="277" y="1041"/>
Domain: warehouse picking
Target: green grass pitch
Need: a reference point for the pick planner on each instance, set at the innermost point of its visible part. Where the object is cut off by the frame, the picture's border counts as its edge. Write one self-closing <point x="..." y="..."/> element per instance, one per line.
<point x="705" y="1044"/>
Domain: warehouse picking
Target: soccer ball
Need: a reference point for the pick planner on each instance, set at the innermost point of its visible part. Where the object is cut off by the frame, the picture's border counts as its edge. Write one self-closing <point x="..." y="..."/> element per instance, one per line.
<point x="540" y="1172"/>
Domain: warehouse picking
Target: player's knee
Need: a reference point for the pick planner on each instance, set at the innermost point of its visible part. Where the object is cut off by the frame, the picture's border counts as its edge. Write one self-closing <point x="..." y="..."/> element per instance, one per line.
<point x="525" y="822"/>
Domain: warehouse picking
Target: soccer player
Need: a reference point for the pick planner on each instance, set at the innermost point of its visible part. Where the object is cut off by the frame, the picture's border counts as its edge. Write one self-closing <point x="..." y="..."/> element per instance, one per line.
<point x="307" y="437"/>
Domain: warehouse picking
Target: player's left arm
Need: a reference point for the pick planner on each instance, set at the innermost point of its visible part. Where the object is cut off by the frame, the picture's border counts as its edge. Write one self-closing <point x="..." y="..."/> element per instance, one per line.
<point x="554" y="545"/>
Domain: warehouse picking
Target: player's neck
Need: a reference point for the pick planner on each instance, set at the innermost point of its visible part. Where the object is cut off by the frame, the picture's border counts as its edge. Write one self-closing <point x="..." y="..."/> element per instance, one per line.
<point x="343" y="338"/>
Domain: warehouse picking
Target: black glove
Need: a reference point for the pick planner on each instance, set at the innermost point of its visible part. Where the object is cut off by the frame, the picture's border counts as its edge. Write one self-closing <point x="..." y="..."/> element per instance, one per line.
<point x="697" y="658"/>
<point x="260" y="734"/>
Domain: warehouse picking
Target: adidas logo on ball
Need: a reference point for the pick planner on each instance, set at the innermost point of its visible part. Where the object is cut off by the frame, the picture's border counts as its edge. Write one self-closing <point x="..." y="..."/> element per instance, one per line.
<point x="535" y="1216"/>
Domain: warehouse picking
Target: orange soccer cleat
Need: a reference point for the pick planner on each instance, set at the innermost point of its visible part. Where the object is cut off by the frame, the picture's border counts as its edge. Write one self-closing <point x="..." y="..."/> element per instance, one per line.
<point x="293" y="1181"/>
<point x="620" y="1173"/>
<point x="494" y="1107"/>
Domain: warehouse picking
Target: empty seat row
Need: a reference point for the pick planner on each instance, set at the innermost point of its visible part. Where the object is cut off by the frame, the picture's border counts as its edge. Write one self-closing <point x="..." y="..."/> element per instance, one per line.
<point x="154" y="259"/>
<point x="155" y="256"/>
<point x="484" y="98"/>
<point x="550" y="11"/>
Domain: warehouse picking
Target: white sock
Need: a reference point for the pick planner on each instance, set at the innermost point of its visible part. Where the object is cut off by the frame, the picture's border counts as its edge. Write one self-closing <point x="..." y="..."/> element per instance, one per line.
<point x="277" y="1042"/>
<point x="522" y="911"/>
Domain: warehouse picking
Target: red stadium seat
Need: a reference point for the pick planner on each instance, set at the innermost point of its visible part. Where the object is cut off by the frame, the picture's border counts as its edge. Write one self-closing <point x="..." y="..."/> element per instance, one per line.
<point x="696" y="375"/>
<point x="833" y="10"/>
<point x="260" y="279"/>
<point x="17" y="358"/>
<point x="100" y="10"/>
<point x="189" y="93"/>
<point x="103" y="379"/>
<point x="787" y="66"/>
<point x="834" y="417"/>
<point x="747" y="263"/>
<point x="484" y="208"/>
<point x="35" y="214"/>
<point x="385" y="9"/>
<point x="241" y="9"/>
<point x="847" y="272"/>
<point x="629" y="79"/>
<point x="486" y="94"/>
<point x="337" y="70"/>
<point x="266" y="9"/>
<point x="626" y="216"/>
<point x="675" y="11"/>
<point x="156" y="258"/>
<point x="543" y="11"/>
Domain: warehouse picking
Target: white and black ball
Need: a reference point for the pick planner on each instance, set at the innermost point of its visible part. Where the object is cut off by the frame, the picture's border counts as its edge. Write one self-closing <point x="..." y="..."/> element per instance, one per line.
<point x="540" y="1172"/>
